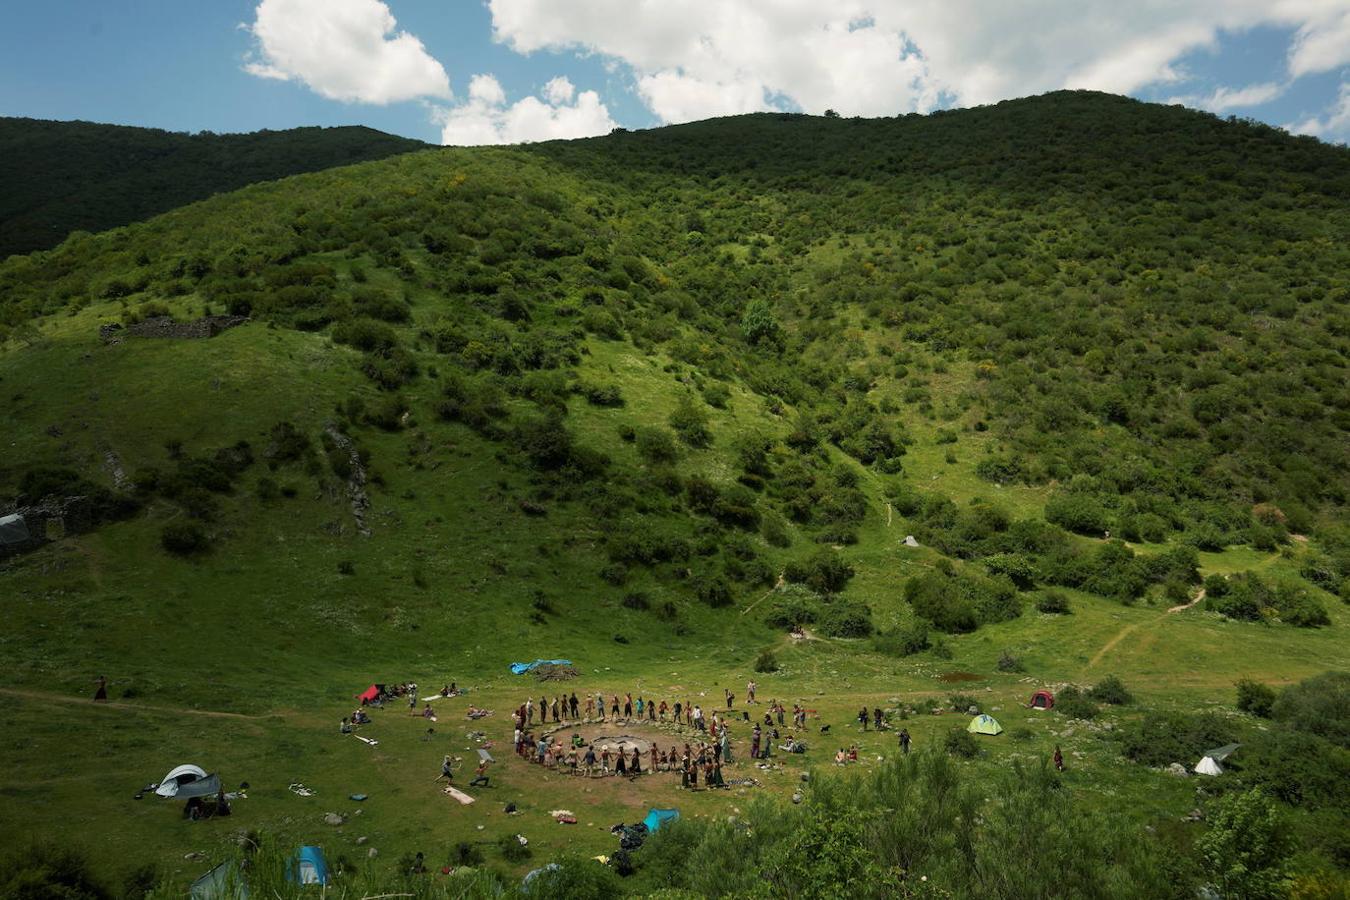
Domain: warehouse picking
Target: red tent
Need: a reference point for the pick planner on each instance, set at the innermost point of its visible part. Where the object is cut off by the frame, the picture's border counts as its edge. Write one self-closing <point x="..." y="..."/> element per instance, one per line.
<point x="370" y="694"/>
<point x="1042" y="700"/>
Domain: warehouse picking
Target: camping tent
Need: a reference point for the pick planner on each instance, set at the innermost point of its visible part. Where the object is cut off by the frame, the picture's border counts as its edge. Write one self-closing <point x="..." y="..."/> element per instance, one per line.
<point x="1208" y="766"/>
<point x="307" y="867"/>
<point x="370" y="694"/>
<point x="1042" y="700"/>
<point x="522" y="668"/>
<point x="178" y="776"/>
<point x="656" y="817"/>
<point x="202" y="787"/>
<point x="984" y="724"/>
<point x="224" y="882"/>
<point x="13" y="529"/>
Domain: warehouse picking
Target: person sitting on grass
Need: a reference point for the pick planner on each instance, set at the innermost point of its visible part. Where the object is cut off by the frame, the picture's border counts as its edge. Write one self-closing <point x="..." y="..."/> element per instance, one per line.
<point x="841" y="757"/>
<point x="853" y="753"/>
<point x="428" y="713"/>
<point x="345" y="727"/>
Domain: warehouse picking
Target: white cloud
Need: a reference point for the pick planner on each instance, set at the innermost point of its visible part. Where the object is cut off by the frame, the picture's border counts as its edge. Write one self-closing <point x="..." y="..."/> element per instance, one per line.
<point x="1334" y="123"/>
<point x="344" y="50"/>
<point x="1223" y="99"/>
<point x="1322" y="44"/>
<point x="485" y="118"/>
<point x="696" y="58"/>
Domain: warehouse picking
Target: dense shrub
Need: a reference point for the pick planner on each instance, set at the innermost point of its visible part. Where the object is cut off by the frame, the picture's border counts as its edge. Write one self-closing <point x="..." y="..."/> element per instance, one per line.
<point x="691" y="423"/>
<point x="656" y="445"/>
<point x="1162" y="738"/>
<point x="844" y="618"/>
<point x="184" y="539"/>
<point x="960" y="742"/>
<point x="825" y="572"/>
<point x="766" y="661"/>
<point x="1079" y="513"/>
<point x="1319" y="705"/>
<point x="1075" y="704"/>
<point x="1054" y="603"/>
<point x="1111" y="690"/>
<point x="1255" y="697"/>
<point x="903" y="640"/>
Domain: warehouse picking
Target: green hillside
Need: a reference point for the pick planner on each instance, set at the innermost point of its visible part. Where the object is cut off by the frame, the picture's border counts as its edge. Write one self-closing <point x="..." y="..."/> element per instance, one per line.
<point x="63" y="177"/>
<point x="647" y="401"/>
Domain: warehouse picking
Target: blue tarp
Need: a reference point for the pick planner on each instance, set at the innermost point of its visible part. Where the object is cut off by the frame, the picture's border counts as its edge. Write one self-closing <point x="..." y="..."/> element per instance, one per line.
<point x="522" y="668"/>
<point x="308" y="866"/>
<point x="657" y="816"/>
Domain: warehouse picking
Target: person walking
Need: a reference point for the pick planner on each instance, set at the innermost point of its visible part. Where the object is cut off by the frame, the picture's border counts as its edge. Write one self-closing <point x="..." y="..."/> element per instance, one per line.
<point x="730" y="697"/>
<point x="101" y="692"/>
<point x="904" y="741"/>
<point x="446" y="772"/>
<point x="862" y="717"/>
<point x="480" y="776"/>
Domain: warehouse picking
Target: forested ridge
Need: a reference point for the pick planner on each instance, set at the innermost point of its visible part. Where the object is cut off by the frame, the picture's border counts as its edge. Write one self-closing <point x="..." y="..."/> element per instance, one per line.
<point x="61" y="177"/>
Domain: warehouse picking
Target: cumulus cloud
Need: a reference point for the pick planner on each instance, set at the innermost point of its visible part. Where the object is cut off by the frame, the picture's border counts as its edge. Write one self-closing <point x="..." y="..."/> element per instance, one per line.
<point x="1223" y="99"/>
<point x="1333" y="124"/>
<point x="695" y="58"/>
<point x="346" y="50"/>
<point x="486" y="118"/>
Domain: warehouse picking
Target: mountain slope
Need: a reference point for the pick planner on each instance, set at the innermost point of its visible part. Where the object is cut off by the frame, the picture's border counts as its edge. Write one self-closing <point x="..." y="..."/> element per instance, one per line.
<point x="61" y="177"/>
<point x="644" y="401"/>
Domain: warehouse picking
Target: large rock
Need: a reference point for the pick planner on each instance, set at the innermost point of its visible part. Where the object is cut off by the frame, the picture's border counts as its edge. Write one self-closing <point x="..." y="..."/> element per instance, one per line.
<point x="1178" y="770"/>
<point x="333" y="819"/>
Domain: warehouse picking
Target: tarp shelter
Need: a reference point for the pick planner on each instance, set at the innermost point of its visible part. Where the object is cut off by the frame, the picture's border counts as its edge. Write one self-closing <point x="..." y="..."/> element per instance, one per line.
<point x="1042" y="700"/>
<point x="1219" y="754"/>
<point x="484" y="756"/>
<point x="656" y="817"/>
<point x="984" y="724"/>
<point x="307" y="867"/>
<point x="370" y="694"/>
<point x="178" y="776"/>
<point x="224" y="882"/>
<point x="13" y="529"/>
<point x="535" y="873"/>
<point x="202" y="787"/>
<point x="522" y="668"/>
<point x="1208" y="766"/>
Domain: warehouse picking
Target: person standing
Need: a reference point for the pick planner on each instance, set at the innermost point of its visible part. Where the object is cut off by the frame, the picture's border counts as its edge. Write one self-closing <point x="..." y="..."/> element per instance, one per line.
<point x="678" y="709"/>
<point x="589" y="760"/>
<point x="573" y="703"/>
<point x="543" y="710"/>
<point x="529" y="711"/>
<point x="862" y="717"/>
<point x="726" y="746"/>
<point x="635" y="769"/>
<point x="730" y="698"/>
<point x="1059" y="759"/>
<point x="755" y="737"/>
<point x="904" y="741"/>
<point x="620" y="762"/>
<point x="101" y="693"/>
<point x="627" y="707"/>
<point x="662" y="710"/>
<point x="614" y="707"/>
<point x="656" y="759"/>
<point x="590" y="708"/>
<point x="750" y="691"/>
<point x="778" y="708"/>
<point x="556" y="710"/>
<point x="600" y="705"/>
<point x="876" y="717"/>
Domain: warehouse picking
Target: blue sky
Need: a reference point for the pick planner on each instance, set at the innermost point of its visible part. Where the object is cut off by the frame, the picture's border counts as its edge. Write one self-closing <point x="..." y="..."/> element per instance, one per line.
<point x="465" y="71"/>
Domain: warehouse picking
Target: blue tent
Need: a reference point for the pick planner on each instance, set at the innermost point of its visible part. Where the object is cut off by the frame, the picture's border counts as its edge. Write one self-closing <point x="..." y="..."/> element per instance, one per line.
<point x="656" y="816"/>
<point x="522" y="668"/>
<point x="307" y="867"/>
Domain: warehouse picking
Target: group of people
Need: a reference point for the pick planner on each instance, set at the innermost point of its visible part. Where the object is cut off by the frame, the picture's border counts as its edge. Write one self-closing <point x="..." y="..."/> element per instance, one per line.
<point x="563" y="709"/>
<point x="582" y="759"/>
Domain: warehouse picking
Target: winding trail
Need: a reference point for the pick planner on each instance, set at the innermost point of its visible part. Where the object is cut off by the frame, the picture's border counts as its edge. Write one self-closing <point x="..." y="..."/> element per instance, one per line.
<point x="1129" y="629"/>
<point x="49" y="697"/>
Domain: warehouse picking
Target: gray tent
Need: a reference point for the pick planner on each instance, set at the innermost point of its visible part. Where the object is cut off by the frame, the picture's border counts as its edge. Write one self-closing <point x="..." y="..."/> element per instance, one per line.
<point x="202" y="787"/>
<point x="13" y="529"/>
<point x="224" y="882"/>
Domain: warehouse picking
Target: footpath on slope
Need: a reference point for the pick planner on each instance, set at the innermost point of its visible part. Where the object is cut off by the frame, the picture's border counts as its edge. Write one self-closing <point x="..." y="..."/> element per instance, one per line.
<point x="50" y="697"/>
<point x="1128" y="629"/>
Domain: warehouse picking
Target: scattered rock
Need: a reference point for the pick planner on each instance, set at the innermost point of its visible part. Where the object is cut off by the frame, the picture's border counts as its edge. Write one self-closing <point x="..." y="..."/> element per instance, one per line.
<point x="194" y="856"/>
<point x="1177" y="769"/>
<point x="797" y="797"/>
<point x="361" y="840"/>
<point x="333" y="819"/>
<point x="372" y="853"/>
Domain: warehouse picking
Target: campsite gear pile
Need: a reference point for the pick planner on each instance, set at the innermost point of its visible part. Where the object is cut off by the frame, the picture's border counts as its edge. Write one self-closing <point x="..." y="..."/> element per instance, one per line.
<point x="555" y="672"/>
<point x="522" y="668"/>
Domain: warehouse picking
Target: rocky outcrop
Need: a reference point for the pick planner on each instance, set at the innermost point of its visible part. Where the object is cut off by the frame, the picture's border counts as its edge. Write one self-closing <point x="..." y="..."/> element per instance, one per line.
<point x="166" y="327"/>
<point x="356" y="482"/>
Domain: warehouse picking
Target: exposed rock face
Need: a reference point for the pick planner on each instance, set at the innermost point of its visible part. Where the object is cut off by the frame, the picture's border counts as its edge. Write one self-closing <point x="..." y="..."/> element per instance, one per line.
<point x="166" y="327"/>
<point x="356" y="483"/>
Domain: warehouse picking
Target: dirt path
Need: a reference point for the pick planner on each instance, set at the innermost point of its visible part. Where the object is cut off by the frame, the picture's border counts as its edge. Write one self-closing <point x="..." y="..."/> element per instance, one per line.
<point x="1130" y="629"/>
<point x="49" y="697"/>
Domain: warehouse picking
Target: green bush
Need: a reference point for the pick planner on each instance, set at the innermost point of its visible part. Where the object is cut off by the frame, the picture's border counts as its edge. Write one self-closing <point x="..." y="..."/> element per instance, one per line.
<point x="1255" y="698"/>
<point x="825" y="572"/>
<point x="1009" y="663"/>
<point x="184" y="539"/>
<point x="1111" y="690"/>
<point x="1075" y="704"/>
<point x="962" y="743"/>
<point x="1079" y="513"/>
<point x="512" y="850"/>
<point x="1319" y="705"/>
<point x="903" y="640"/>
<point x="656" y="445"/>
<point x="1162" y="738"/>
<point x="1054" y="603"/>
<point x="844" y="618"/>
<point x="1245" y="852"/>
<point x="766" y="662"/>
<point x="691" y="423"/>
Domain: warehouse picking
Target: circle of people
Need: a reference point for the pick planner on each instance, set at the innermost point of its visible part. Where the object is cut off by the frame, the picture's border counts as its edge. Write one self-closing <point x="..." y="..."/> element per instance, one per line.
<point x="705" y="756"/>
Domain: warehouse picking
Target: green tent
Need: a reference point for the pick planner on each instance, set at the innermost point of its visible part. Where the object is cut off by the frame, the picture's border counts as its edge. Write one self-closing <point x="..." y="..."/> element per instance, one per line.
<point x="984" y="724"/>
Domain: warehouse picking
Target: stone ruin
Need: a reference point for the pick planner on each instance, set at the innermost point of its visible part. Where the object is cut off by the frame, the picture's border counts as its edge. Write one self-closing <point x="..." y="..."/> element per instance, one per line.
<point x="50" y="520"/>
<point x="166" y="327"/>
